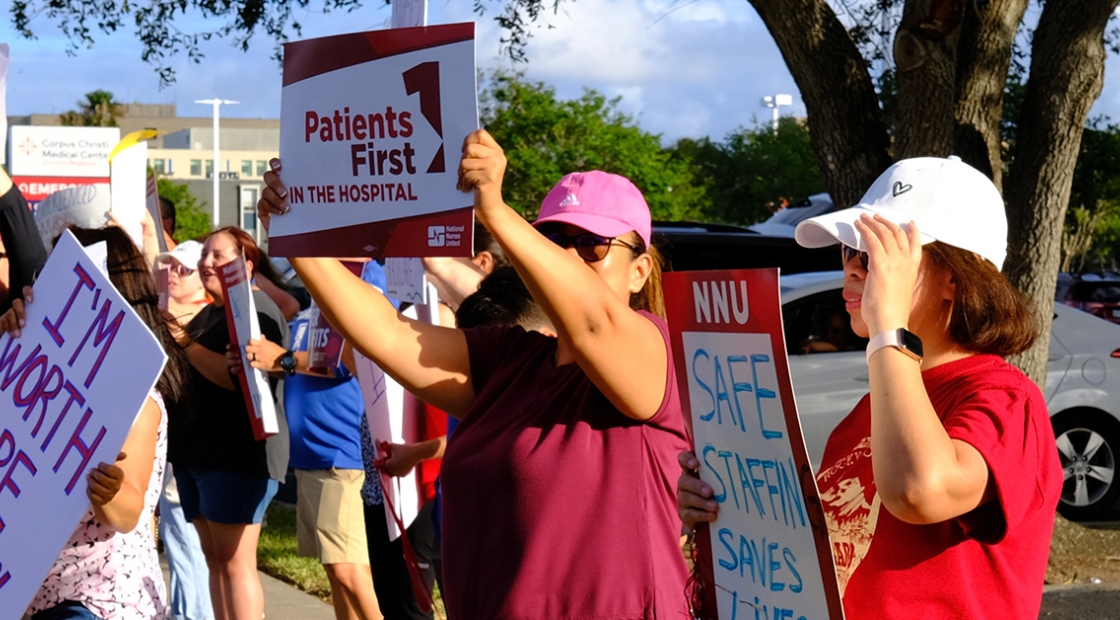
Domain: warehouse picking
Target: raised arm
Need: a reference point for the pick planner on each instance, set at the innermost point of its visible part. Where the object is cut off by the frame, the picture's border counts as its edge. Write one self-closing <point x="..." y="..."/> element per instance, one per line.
<point x="429" y="361"/>
<point x="116" y="491"/>
<point x="621" y="351"/>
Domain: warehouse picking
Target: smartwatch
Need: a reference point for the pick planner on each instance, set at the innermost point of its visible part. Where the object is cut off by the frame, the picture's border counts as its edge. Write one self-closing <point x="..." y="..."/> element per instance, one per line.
<point x="287" y="363"/>
<point x="900" y="339"/>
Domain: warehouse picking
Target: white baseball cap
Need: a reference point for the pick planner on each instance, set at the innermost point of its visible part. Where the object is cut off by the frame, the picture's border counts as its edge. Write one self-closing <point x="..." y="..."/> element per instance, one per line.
<point x="949" y="200"/>
<point x="188" y="253"/>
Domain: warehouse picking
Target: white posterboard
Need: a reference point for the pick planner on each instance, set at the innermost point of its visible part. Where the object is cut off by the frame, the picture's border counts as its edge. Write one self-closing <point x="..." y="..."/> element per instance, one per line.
<point x="128" y="182"/>
<point x="5" y="64"/>
<point x="151" y="202"/>
<point x="405" y="281"/>
<point x="768" y="553"/>
<point x="70" y="388"/>
<point x="371" y="130"/>
<point x="241" y="316"/>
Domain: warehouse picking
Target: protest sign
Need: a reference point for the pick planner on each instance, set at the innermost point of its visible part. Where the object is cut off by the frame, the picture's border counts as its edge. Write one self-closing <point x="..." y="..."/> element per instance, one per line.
<point x="371" y="126"/>
<point x="151" y="201"/>
<point x="70" y="388"/>
<point x="405" y="281"/>
<point x="128" y="180"/>
<point x="768" y="554"/>
<point x="241" y="316"/>
<point x="86" y="206"/>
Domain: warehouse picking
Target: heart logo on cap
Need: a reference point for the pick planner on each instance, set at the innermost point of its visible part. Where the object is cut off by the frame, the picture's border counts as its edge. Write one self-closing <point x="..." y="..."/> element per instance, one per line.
<point x="901" y="188"/>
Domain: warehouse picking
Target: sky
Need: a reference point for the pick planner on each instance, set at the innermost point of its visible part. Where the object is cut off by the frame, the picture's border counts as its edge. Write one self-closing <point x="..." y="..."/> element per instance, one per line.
<point x="684" y="68"/>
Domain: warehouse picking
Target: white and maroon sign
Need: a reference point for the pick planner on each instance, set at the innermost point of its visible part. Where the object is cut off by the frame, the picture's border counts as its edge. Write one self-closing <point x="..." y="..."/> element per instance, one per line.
<point x="70" y="388"/>
<point x="38" y="151"/>
<point x="768" y="554"/>
<point x="241" y="316"/>
<point x="371" y="126"/>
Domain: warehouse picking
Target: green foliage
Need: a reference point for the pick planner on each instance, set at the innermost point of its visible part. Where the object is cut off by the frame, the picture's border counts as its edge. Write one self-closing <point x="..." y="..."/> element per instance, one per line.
<point x="754" y="172"/>
<point x="98" y="110"/>
<point x="1094" y="203"/>
<point x="545" y="138"/>
<point x="278" y="554"/>
<point x="191" y="222"/>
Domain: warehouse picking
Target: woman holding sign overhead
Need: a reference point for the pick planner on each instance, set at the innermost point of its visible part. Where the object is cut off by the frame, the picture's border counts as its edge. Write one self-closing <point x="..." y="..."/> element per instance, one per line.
<point x="109" y="567"/>
<point x="226" y="477"/>
<point x="939" y="488"/>
<point x="558" y="500"/>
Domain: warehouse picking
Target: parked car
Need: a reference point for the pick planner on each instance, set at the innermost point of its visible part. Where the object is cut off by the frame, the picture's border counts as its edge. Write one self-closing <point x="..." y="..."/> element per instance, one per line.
<point x="1095" y="293"/>
<point x="690" y="246"/>
<point x="1082" y="386"/>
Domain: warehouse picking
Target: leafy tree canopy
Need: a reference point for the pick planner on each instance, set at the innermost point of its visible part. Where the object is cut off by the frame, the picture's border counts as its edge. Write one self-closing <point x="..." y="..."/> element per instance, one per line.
<point x="545" y="138"/>
<point x="191" y="222"/>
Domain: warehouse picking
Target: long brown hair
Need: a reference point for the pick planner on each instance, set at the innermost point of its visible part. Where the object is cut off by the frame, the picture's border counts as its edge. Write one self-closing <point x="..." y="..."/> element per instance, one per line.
<point x="989" y="315"/>
<point x="129" y="273"/>
<point x="651" y="298"/>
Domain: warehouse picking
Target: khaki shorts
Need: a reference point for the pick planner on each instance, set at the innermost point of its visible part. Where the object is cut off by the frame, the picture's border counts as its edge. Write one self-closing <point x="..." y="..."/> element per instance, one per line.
<point x="330" y="520"/>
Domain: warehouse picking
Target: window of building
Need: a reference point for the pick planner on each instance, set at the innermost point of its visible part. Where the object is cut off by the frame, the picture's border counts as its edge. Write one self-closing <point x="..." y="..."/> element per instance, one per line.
<point x="262" y="166"/>
<point x="159" y="166"/>
<point x="209" y="167"/>
<point x="196" y="167"/>
<point x="248" y="200"/>
<point x="246" y="167"/>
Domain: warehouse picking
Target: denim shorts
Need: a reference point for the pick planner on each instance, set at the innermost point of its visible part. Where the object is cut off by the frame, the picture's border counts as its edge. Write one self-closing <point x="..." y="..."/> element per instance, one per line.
<point x="228" y="497"/>
<point x="66" y="610"/>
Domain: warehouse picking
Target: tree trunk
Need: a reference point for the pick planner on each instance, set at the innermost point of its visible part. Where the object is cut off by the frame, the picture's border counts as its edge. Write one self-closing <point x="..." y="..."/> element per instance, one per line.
<point x="1066" y="75"/>
<point x="925" y="55"/>
<point x="983" y="57"/>
<point x="845" y="123"/>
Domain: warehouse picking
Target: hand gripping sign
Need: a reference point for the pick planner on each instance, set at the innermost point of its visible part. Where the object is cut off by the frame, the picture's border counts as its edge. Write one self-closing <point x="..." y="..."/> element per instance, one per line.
<point x="70" y="388"/>
<point x="241" y="316"/>
<point x="768" y="554"/>
<point x="371" y="126"/>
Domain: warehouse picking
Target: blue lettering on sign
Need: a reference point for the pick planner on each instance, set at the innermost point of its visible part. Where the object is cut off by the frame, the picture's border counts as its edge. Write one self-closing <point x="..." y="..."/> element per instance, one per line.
<point x="765" y="565"/>
<point x="776" y="479"/>
<point x="717" y="379"/>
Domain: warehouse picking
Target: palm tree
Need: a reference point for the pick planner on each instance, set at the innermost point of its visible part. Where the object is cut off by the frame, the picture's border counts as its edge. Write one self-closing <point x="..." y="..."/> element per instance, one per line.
<point x="98" y="110"/>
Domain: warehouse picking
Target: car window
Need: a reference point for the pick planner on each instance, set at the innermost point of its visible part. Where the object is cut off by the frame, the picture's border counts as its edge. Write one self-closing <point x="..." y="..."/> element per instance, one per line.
<point x="819" y="324"/>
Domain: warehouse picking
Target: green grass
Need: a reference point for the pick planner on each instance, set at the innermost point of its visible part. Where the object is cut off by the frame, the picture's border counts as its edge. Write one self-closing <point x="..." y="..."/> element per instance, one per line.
<point x="278" y="554"/>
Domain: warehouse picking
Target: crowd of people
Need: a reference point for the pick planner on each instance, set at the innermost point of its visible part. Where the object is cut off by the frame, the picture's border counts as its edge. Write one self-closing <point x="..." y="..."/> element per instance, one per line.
<point x="548" y="393"/>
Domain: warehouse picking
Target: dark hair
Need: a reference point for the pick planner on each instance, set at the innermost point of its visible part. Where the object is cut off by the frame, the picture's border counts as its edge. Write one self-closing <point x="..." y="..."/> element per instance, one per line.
<point x="502" y="299"/>
<point x="651" y="298"/>
<point x="264" y="268"/>
<point x="989" y="315"/>
<point x="484" y="242"/>
<point x="246" y="246"/>
<point x="167" y="210"/>
<point x="129" y="273"/>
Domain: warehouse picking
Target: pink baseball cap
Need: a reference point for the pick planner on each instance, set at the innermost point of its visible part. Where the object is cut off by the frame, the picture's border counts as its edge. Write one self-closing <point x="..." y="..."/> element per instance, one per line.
<point x="599" y="202"/>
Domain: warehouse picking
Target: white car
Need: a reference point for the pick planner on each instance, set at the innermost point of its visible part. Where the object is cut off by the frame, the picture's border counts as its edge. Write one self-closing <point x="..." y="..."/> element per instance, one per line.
<point x="1082" y="386"/>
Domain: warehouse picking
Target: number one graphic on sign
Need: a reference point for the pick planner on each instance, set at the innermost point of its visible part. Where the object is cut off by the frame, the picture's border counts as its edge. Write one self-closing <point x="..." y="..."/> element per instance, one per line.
<point x="424" y="79"/>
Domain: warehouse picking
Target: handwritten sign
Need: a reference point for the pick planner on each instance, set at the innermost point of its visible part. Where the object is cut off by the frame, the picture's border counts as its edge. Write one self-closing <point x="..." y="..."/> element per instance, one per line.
<point x="405" y="281"/>
<point x="241" y="316"/>
<point x="70" y="388"/>
<point x="371" y="126"/>
<point x="768" y="554"/>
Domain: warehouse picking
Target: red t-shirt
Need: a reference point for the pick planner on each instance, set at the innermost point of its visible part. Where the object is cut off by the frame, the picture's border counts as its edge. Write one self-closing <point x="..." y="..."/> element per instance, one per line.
<point x="990" y="562"/>
<point x="556" y="505"/>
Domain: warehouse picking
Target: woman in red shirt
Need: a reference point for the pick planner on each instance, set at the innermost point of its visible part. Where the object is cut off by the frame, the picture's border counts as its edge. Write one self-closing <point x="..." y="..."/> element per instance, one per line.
<point x="940" y="487"/>
<point x="558" y="494"/>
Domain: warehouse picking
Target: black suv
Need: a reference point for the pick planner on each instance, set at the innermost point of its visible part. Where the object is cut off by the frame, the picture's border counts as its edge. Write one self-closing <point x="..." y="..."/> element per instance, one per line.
<point x="689" y="246"/>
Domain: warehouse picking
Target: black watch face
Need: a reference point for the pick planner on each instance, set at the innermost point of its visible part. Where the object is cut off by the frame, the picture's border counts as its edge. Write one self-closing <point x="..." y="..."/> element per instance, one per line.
<point x="288" y="362"/>
<point x="911" y="342"/>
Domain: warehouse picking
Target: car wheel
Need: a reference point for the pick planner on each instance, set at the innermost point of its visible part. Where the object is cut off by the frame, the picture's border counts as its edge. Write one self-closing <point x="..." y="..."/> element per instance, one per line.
<point x="1089" y="449"/>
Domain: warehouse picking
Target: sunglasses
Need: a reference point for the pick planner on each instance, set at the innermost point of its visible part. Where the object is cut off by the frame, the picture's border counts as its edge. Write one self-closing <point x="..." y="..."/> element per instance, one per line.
<point x="591" y="248"/>
<point x="181" y="270"/>
<point x="848" y="253"/>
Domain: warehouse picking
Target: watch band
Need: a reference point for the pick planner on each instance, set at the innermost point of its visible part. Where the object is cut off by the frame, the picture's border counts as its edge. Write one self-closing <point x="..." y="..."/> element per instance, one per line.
<point x="900" y="339"/>
<point x="287" y="363"/>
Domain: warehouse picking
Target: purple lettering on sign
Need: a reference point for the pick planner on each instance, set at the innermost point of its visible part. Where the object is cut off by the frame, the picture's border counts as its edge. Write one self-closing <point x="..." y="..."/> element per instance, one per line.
<point x="83" y="280"/>
<point x="75" y="396"/>
<point x="7" y="482"/>
<point x="42" y="395"/>
<point x="104" y="334"/>
<point x="8" y="361"/>
<point x="84" y="450"/>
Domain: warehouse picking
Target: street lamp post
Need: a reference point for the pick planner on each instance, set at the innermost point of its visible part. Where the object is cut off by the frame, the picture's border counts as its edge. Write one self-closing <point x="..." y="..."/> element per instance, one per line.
<point x="214" y="169"/>
<point x="774" y="103"/>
